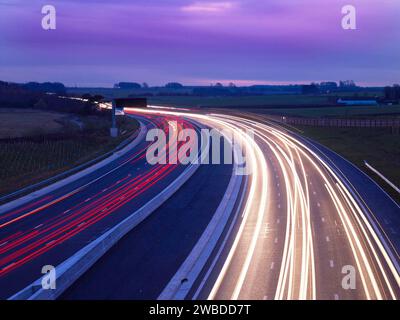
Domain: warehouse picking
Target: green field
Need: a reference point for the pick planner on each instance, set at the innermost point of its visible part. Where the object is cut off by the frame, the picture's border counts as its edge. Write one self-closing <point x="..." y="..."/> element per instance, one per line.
<point x="25" y="161"/>
<point x="27" y="122"/>
<point x="377" y="146"/>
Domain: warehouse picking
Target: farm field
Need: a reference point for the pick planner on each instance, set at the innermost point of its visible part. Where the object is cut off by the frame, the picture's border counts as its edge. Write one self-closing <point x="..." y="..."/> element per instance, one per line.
<point x="26" y="159"/>
<point x="16" y="123"/>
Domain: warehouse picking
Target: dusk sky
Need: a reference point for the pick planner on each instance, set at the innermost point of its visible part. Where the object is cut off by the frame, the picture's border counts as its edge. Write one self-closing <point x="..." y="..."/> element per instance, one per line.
<point x="99" y="42"/>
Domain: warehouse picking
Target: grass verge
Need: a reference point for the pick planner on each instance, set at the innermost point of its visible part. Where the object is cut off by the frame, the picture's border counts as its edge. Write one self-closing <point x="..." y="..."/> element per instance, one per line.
<point x="378" y="146"/>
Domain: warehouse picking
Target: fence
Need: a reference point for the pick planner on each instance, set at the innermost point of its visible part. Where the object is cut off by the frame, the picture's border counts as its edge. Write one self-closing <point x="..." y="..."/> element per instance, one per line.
<point x="341" y="123"/>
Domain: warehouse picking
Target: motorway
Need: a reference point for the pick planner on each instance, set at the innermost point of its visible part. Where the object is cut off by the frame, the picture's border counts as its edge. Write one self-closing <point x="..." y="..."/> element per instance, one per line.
<point x="305" y="222"/>
<point x="49" y="229"/>
<point x="301" y="228"/>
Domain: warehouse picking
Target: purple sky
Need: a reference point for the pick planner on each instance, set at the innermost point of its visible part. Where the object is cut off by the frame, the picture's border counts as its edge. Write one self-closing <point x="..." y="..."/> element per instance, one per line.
<point x="99" y="42"/>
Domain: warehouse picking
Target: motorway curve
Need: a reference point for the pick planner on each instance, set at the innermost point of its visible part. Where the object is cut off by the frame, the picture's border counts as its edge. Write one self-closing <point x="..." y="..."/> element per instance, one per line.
<point x="300" y="228"/>
<point x="299" y="231"/>
<point x="49" y="229"/>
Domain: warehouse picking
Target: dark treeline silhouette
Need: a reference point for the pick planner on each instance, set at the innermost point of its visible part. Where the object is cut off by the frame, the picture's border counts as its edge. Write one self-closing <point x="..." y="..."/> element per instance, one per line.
<point x="46" y="87"/>
<point x="392" y="93"/>
<point x="46" y="96"/>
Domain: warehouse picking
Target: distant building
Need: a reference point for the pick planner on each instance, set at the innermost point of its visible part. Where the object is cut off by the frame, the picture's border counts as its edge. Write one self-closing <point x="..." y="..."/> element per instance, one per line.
<point x="357" y="102"/>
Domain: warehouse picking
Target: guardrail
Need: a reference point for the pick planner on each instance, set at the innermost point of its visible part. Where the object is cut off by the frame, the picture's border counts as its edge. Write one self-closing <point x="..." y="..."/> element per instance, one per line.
<point x="183" y="281"/>
<point x="341" y="123"/>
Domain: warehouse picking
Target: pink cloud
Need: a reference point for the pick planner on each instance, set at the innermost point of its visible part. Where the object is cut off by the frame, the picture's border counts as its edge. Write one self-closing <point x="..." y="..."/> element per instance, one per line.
<point x="208" y="7"/>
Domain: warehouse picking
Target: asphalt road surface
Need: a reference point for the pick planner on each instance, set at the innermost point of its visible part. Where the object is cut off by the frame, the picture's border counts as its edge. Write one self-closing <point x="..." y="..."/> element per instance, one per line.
<point x="50" y="229"/>
<point x="311" y="225"/>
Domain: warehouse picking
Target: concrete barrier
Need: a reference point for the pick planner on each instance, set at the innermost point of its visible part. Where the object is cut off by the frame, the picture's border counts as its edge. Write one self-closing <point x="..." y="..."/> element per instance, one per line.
<point x="179" y="286"/>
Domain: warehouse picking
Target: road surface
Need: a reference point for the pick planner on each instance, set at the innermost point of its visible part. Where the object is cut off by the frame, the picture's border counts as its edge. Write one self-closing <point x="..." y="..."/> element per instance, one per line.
<point x="311" y="226"/>
<point x="302" y="229"/>
<point x="51" y="228"/>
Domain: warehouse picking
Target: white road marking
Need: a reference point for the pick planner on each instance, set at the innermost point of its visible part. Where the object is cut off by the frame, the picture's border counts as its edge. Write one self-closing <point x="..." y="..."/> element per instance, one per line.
<point x="327" y="239"/>
<point x="276" y="240"/>
<point x="331" y="263"/>
<point x="272" y="265"/>
<point x="336" y="296"/>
